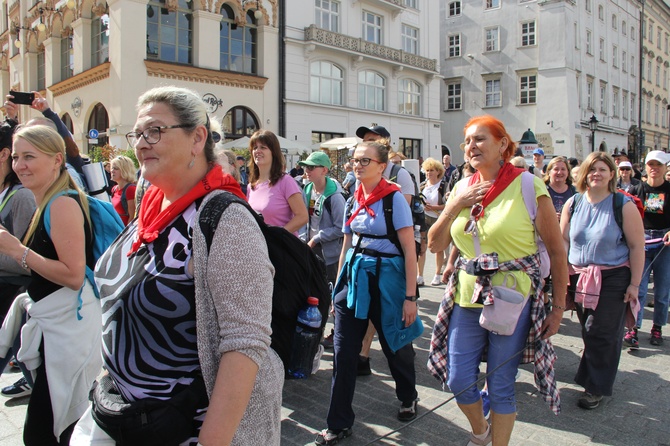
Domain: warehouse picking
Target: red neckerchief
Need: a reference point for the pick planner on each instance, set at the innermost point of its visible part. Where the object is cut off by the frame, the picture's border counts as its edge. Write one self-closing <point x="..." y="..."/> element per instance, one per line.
<point x="152" y="220"/>
<point x="380" y="191"/>
<point x="506" y="175"/>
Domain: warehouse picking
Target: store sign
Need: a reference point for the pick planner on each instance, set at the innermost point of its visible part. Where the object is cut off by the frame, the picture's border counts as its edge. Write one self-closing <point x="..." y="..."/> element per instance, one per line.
<point x="213" y="103"/>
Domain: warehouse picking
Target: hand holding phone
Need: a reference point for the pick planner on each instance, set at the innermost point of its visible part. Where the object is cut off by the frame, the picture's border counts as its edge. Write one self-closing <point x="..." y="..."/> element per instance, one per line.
<point x="21" y="97"/>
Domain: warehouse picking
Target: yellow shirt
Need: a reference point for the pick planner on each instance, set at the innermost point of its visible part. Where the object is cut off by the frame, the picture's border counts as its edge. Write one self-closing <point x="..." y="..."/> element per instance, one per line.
<point x="504" y="228"/>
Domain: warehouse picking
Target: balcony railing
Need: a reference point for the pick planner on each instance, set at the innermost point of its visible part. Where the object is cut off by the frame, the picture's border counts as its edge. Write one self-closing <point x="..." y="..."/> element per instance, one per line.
<point x="322" y="36"/>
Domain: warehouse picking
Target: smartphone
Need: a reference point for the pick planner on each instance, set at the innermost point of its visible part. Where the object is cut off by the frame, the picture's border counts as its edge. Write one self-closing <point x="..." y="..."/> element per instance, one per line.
<point x="21" y="97"/>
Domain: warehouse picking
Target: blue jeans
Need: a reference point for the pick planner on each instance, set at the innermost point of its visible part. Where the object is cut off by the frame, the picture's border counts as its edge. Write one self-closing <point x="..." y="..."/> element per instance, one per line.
<point x="467" y="340"/>
<point x="661" y="269"/>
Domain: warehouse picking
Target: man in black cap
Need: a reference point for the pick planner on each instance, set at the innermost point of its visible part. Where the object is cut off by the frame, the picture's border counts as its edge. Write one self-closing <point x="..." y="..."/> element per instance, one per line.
<point x="373" y="133"/>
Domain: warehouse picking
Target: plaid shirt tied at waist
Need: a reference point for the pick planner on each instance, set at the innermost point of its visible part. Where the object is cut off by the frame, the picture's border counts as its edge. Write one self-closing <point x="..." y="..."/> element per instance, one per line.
<point x="537" y="350"/>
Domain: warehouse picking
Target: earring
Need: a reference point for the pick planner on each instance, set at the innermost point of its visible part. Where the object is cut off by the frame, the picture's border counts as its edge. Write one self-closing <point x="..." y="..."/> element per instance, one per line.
<point x="501" y="162"/>
<point x="192" y="163"/>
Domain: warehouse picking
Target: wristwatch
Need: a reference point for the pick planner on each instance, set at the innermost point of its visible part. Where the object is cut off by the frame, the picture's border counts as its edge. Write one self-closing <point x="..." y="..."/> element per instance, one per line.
<point x="411" y="298"/>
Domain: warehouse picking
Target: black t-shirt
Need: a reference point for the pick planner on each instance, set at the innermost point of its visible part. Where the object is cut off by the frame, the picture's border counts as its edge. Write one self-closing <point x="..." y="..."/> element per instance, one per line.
<point x="559" y="199"/>
<point x="656" y="201"/>
<point x="41" y="243"/>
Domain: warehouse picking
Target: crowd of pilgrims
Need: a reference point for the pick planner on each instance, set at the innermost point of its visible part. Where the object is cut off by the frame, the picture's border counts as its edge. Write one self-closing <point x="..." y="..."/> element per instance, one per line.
<point x="172" y="315"/>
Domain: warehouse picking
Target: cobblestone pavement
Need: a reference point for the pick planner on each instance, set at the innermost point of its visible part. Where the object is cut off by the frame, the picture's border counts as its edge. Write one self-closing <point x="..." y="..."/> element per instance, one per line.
<point x="638" y="414"/>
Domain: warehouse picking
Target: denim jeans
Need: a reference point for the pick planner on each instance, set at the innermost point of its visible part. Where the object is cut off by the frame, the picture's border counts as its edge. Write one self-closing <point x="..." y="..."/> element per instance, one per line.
<point x="467" y="340"/>
<point x="661" y="269"/>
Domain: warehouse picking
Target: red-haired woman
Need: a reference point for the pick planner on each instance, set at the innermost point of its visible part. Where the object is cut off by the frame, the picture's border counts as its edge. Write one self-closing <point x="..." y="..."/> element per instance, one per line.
<point x="273" y="193"/>
<point x="486" y="218"/>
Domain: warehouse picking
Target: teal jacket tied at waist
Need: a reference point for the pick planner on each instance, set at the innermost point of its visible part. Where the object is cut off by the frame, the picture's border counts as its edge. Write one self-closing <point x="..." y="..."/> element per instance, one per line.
<point x="392" y="295"/>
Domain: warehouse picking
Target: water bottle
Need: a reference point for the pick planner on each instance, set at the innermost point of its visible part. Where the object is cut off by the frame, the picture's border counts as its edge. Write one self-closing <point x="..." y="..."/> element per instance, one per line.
<point x="305" y="340"/>
<point x="417" y="233"/>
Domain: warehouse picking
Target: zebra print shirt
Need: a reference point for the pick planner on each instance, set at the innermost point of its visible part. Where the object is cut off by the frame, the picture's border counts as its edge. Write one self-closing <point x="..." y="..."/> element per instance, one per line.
<point x="148" y="312"/>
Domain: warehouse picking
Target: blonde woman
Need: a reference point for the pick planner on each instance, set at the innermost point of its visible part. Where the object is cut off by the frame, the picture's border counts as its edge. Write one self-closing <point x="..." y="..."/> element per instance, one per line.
<point x="124" y="174"/>
<point x="65" y="353"/>
<point x="433" y="192"/>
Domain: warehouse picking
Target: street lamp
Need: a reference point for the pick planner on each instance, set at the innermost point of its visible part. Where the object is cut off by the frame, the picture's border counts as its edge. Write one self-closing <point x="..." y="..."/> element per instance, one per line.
<point x="593" y="125"/>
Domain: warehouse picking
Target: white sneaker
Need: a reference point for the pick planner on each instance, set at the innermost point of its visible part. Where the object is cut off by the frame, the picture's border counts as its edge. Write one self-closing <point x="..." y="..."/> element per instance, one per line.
<point x="437" y="280"/>
<point x="316" y="364"/>
<point x="419" y="280"/>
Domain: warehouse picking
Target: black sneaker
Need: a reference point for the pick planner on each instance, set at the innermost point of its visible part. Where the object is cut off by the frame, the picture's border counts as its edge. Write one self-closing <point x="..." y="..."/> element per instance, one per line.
<point x="656" y="336"/>
<point x="363" y="366"/>
<point x="328" y="342"/>
<point x="630" y="339"/>
<point x="18" y="389"/>
<point x="407" y="411"/>
<point x="589" y="401"/>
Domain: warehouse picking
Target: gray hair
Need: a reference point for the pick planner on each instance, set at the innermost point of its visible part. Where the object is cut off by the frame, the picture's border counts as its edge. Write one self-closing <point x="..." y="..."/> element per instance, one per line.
<point x="188" y="108"/>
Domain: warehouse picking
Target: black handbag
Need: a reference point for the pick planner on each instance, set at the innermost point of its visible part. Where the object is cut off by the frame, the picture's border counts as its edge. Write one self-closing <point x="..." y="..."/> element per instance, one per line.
<point x="147" y="422"/>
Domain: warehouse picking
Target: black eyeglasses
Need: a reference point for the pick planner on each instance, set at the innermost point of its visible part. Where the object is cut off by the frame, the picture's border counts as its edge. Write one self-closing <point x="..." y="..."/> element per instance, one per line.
<point x="362" y="161"/>
<point x="311" y="168"/>
<point x="151" y="135"/>
<point x="476" y="212"/>
<point x="625" y="168"/>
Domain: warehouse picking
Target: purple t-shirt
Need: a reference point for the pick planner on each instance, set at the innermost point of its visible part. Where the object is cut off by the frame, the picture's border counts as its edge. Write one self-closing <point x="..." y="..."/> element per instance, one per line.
<point x="272" y="201"/>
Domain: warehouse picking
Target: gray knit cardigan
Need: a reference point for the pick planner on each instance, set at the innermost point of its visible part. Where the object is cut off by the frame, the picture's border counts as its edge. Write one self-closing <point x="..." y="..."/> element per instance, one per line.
<point x="233" y="291"/>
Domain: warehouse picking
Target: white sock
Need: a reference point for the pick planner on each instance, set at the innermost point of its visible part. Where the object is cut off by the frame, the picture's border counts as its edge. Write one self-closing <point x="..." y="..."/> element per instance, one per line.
<point x="484" y="435"/>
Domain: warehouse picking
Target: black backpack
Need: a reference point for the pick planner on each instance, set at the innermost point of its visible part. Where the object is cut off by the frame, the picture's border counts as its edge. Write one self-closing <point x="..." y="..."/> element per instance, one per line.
<point x="299" y="272"/>
<point x="418" y="212"/>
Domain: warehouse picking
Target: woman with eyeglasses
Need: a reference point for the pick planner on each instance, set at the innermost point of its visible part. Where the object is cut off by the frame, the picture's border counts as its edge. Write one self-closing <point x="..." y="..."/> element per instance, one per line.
<point x="608" y="260"/>
<point x="377" y="283"/>
<point x="271" y="192"/>
<point x="186" y="321"/>
<point x="626" y="181"/>
<point x="487" y="219"/>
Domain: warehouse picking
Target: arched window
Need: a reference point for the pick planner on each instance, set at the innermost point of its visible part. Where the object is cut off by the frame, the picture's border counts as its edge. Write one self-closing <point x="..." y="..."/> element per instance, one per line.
<point x="170" y="33"/>
<point x="67" y="120"/>
<point x="371" y="91"/>
<point x="99" y="120"/>
<point x="409" y="97"/>
<point x="238" y="43"/>
<point x="239" y="122"/>
<point x="100" y="40"/>
<point x="325" y="83"/>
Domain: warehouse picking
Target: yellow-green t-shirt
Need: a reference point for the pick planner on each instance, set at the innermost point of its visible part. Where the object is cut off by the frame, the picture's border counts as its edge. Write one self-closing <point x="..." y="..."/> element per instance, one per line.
<point x="504" y="228"/>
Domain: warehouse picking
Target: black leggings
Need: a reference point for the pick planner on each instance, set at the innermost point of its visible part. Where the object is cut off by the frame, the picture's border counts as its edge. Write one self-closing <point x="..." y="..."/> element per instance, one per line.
<point x="38" y="429"/>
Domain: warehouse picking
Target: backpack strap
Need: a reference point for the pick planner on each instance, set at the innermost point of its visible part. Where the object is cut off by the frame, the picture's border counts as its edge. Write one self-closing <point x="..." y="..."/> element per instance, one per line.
<point x="214" y="208"/>
<point x="576" y="198"/>
<point x="124" y="199"/>
<point x="391" y="233"/>
<point x="393" y="176"/>
<point x="617" y="205"/>
<point x="88" y="273"/>
<point x="6" y="200"/>
<point x="528" y="192"/>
